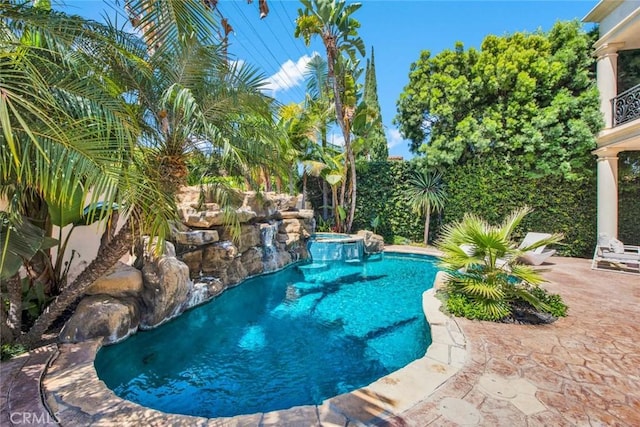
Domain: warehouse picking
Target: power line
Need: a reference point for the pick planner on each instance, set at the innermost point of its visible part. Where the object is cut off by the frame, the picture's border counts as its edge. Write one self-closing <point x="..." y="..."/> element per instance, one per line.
<point x="295" y="63"/>
<point x="296" y="43"/>
<point x="297" y="89"/>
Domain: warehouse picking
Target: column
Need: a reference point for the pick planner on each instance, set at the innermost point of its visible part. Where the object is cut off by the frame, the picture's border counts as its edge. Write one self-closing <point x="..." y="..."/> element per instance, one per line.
<point x="607" y="76"/>
<point x="608" y="194"/>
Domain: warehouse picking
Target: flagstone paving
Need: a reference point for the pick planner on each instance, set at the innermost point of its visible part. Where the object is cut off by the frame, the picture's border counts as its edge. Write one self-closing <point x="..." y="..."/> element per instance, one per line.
<point x="583" y="370"/>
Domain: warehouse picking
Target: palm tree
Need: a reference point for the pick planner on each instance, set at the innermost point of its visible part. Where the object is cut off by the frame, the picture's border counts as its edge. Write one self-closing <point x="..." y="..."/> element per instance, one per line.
<point x="320" y="108"/>
<point x="197" y="100"/>
<point x="482" y="265"/>
<point x="333" y="22"/>
<point x="426" y="193"/>
<point x="67" y="132"/>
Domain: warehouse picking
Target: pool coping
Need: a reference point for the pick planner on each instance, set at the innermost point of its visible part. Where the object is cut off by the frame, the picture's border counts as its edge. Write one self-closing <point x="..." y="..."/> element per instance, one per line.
<point x="75" y="395"/>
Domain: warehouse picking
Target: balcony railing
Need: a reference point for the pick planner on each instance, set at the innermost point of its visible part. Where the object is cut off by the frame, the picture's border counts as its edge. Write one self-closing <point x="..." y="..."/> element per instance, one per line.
<point x="626" y="106"/>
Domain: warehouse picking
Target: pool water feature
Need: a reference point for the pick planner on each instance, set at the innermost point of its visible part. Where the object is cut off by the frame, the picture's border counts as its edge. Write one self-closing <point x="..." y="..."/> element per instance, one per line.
<point x="279" y="340"/>
<point x="336" y="247"/>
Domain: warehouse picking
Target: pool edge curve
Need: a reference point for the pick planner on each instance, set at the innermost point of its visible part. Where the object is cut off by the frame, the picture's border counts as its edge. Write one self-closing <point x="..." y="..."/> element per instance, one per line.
<point x="75" y="395"/>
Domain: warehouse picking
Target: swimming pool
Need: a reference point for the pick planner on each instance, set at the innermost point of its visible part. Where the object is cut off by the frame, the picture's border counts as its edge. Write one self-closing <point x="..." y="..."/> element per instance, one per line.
<point x="295" y="337"/>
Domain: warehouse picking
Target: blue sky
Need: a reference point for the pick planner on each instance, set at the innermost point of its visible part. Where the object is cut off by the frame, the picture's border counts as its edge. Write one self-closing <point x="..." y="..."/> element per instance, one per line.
<point x="397" y="29"/>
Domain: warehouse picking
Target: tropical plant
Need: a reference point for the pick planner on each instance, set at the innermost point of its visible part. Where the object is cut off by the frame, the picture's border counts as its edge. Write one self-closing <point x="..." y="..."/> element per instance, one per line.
<point x="483" y="270"/>
<point x="321" y="111"/>
<point x="426" y="194"/>
<point x="375" y="223"/>
<point x="333" y="22"/>
<point x="67" y="134"/>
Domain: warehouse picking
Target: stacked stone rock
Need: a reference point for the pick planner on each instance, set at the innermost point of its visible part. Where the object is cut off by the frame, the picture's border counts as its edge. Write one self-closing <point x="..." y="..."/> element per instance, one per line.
<point x="203" y="260"/>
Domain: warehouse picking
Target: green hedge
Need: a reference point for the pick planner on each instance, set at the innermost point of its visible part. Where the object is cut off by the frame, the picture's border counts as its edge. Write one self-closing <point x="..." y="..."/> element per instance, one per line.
<point x="629" y="198"/>
<point x="491" y="188"/>
<point x="380" y="193"/>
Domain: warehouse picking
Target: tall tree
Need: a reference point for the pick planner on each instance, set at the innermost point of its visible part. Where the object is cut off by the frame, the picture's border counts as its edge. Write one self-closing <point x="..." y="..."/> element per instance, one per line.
<point x="376" y="137"/>
<point x="320" y="106"/>
<point x="528" y="98"/>
<point x="333" y="22"/>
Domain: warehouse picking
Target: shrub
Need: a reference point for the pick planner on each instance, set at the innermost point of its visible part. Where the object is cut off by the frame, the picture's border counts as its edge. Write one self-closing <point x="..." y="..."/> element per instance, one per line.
<point x="485" y="279"/>
<point x="7" y="351"/>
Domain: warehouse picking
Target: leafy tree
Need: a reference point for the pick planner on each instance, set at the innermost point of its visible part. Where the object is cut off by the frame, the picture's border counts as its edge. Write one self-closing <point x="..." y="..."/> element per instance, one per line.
<point x="376" y="138"/>
<point x="426" y="193"/>
<point x="528" y="98"/>
<point x="483" y="268"/>
<point x="333" y="22"/>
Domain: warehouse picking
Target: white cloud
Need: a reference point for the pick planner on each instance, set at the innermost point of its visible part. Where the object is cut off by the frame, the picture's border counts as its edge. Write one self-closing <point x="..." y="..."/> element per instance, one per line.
<point x="336" y="139"/>
<point x="290" y="74"/>
<point x="394" y="138"/>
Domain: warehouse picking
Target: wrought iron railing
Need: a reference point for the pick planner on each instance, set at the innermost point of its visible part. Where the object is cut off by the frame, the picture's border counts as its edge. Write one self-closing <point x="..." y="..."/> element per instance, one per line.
<point x="626" y="106"/>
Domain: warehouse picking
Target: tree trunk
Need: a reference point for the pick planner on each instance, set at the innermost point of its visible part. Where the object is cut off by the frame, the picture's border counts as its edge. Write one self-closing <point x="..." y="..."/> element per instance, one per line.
<point x="426" y="226"/>
<point x="325" y="190"/>
<point x="336" y="214"/>
<point x="14" y="316"/>
<point x="304" y="189"/>
<point x="106" y="258"/>
<point x="325" y="200"/>
<point x="332" y="53"/>
<point x="352" y="211"/>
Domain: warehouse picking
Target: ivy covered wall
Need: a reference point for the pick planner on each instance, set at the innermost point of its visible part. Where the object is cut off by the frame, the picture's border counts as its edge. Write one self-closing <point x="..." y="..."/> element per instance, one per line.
<point x="491" y="188"/>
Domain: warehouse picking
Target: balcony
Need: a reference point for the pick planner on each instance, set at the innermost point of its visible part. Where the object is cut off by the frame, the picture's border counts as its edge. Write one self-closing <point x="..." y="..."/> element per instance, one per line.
<point x="626" y="106"/>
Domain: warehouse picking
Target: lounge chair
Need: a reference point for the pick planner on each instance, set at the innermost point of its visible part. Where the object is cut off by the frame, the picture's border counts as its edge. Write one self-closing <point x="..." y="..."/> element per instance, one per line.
<point x="613" y="255"/>
<point x="538" y="255"/>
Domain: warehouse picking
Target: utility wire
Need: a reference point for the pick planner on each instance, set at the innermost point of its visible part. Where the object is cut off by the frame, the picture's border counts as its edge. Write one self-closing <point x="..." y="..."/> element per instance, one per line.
<point x="297" y="89"/>
<point x="296" y="43"/>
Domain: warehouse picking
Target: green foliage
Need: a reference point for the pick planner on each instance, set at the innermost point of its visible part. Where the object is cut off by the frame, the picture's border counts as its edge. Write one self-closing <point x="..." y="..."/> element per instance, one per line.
<point x="482" y="264"/>
<point x="323" y="226"/>
<point x="381" y="192"/>
<point x="400" y="240"/>
<point x="629" y="197"/>
<point x="554" y="302"/>
<point x="376" y="139"/>
<point x="19" y="240"/>
<point x="460" y="305"/>
<point x="375" y="223"/>
<point x="490" y="188"/>
<point x="528" y="98"/>
<point x="7" y="351"/>
<point x="34" y="300"/>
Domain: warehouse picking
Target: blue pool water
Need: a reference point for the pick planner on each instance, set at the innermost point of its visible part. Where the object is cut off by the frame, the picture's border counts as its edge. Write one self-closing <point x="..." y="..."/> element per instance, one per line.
<point x="296" y="337"/>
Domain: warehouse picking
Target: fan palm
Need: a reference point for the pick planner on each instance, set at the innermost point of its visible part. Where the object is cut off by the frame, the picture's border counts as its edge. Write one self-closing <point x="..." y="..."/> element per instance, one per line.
<point x="482" y="264"/>
<point x="426" y="194"/>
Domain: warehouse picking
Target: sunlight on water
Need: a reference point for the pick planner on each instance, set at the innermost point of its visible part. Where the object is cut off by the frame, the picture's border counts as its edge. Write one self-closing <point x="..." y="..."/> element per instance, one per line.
<point x="291" y="338"/>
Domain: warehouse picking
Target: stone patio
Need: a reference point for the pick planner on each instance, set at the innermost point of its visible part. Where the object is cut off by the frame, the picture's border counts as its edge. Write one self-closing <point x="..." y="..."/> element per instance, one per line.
<point x="583" y="370"/>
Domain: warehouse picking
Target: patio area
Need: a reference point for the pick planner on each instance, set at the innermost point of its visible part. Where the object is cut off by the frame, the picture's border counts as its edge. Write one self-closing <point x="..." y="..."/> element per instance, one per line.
<point x="583" y="370"/>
